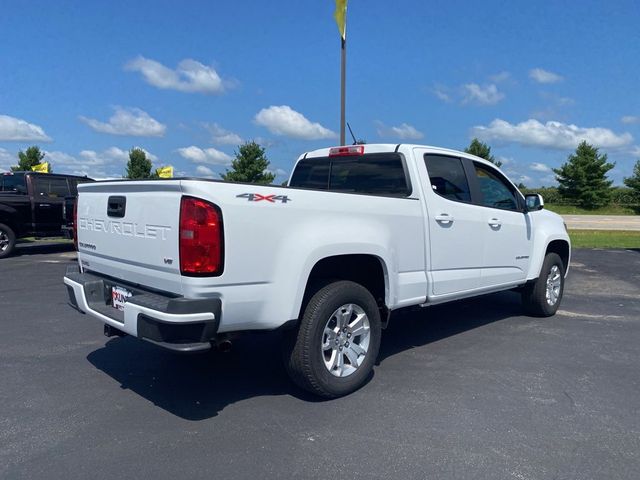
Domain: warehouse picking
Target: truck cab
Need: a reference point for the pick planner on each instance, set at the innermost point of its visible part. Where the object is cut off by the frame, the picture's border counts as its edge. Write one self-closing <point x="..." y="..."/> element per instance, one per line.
<point x="35" y="205"/>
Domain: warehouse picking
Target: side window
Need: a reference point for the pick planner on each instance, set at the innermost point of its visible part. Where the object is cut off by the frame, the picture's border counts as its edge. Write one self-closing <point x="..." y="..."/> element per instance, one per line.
<point x="40" y="186"/>
<point x="73" y="186"/>
<point x="58" y="187"/>
<point x="46" y="186"/>
<point x="447" y="177"/>
<point x="12" y="183"/>
<point x="496" y="193"/>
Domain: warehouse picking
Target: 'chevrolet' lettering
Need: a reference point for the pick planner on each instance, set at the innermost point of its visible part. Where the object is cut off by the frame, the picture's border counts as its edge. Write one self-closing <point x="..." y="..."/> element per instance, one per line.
<point x="126" y="229"/>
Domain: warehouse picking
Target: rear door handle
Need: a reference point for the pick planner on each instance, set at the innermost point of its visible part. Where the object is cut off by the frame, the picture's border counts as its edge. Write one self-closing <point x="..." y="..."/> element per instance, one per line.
<point x="495" y="222"/>
<point x="444" y="218"/>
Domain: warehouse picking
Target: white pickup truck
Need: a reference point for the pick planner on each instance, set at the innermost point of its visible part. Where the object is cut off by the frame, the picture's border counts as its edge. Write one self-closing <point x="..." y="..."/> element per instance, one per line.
<point x="360" y="231"/>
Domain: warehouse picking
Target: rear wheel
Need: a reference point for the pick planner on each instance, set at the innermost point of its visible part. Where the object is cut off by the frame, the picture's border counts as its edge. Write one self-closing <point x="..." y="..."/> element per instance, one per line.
<point x="336" y="344"/>
<point x="7" y="240"/>
<point x="542" y="297"/>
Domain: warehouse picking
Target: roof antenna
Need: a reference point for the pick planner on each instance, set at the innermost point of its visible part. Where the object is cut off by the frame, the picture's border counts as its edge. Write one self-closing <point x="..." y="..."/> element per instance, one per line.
<point x="355" y="142"/>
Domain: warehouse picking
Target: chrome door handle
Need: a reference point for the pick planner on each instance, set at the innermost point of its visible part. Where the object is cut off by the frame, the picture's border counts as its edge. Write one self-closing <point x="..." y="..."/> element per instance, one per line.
<point x="495" y="222"/>
<point x="444" y="218"/>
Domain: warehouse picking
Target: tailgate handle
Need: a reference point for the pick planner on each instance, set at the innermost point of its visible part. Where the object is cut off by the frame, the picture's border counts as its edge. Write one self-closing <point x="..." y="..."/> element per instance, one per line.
<point x="116" y="206"/>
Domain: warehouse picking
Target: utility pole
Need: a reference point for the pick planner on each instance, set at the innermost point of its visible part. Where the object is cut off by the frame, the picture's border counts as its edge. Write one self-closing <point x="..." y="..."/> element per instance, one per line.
<point x="343" y="68"/>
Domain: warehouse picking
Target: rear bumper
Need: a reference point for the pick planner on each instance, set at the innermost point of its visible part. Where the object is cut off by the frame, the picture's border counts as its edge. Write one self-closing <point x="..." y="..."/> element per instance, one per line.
<point x="176" y="323"/>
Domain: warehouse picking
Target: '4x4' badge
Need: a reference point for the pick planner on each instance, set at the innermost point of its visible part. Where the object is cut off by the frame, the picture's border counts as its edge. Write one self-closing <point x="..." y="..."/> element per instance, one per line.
<point x="257" y="197"/>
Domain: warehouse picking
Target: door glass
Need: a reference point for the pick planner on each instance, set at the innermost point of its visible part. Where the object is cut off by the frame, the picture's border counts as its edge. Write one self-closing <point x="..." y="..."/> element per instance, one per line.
<point x="447" y="177"/>
<point x="12" y="183"/>
<point x="496" y="193"/>
<point x="58" y="187"/>
<point x="52" y="187"/>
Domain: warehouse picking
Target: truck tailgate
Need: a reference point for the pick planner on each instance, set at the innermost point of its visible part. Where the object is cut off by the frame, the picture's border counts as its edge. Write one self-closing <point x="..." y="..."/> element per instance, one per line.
<point x="129" y="231"/>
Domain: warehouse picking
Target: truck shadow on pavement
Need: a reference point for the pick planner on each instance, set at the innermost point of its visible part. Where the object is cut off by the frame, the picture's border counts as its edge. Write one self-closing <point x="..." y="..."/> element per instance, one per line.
<point x="37" y="248"/>
<point x="198" y="387"/>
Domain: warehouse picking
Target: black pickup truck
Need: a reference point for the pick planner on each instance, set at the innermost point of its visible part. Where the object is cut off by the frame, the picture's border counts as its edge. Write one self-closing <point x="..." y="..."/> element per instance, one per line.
<point x="36" y="205"/>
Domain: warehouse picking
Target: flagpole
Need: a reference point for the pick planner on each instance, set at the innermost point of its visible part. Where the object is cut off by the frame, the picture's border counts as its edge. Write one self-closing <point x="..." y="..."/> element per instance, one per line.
<point x="343" y="67"/>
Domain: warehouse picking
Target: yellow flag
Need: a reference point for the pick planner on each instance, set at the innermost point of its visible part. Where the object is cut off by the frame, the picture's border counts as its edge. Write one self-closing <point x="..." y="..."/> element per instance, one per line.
<point x="341" y="17"/>
<point x="41" y="167"/>
<point x="165" y="172"/>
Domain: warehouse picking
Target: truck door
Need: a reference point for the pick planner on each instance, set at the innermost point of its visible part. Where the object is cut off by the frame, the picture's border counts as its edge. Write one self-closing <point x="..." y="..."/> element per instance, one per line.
<point x="49" y="193"/>
<point x="506" y="229"/>
<point x="455" y="246"/>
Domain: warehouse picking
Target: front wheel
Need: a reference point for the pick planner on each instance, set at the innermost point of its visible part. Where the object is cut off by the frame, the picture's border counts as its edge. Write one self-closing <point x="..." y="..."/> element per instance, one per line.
<point x="336" y="344"/>
<point x="542" y="297"/>
<point x="7" y="240"/>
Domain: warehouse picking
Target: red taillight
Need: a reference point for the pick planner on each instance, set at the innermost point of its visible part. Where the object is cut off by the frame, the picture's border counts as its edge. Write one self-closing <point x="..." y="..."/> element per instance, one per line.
<point x="346" y="151"/>
<point x="201" y="241"/>
<point x="75" y="223"/>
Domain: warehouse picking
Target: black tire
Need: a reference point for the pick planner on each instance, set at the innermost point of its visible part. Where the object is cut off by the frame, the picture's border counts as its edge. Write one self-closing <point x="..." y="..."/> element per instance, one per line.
<point x="534" y="295"/>
<point x="7" y="240"/>
<point x="304" y="357"/>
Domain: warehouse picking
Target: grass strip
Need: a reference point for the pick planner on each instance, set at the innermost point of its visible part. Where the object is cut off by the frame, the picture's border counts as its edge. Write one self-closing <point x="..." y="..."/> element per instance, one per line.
<point x="604" y="239"/>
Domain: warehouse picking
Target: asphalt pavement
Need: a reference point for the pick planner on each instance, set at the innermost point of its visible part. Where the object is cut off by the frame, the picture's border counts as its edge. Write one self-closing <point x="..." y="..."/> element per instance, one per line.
<point x="469" y="390"/>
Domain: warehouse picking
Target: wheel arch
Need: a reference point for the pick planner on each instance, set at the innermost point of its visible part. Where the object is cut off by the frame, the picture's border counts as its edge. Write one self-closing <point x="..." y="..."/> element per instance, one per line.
<point x="562" y="248"/>
<point x="368" y="270"/>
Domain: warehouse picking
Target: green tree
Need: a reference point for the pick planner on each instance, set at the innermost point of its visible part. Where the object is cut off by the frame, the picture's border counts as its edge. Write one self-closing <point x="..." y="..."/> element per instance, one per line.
<point x="482" y="150"/>
<point x="32" y="157"/>
<point x="583" y="178"/>
<point x="633" y="181"/>
<point x="138" y="166"/>
<point x="250" y="165"/>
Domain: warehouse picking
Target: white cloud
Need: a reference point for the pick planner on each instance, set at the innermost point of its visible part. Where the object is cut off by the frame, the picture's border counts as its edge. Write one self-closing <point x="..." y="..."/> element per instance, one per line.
<point x="6" y="160"/>
<point x="109" y="163"/>
<point x="544" y="76"/>
<point x="404" y="132"/>
<point x="220" y="136"/>
<point x="189" y="76"/>
<point x="16" y="130"/>
<point x="481" y="95"/>
<point x="112" y="155"/>
<point x="539" y="167"/>
<point x="500" y="77"/>
<point x="283" y="120"/>
<point x="128" y="121"/>
<point x="63" y="162"/>
<point x="630" y="119"/>
<point x="209" y="156"/>
<point x="442" y="93"/>
<point x="282" y="173"/>
<point x="206" y="172"/>
<point x="505" y="160"/>
<point x="550" y="134"/>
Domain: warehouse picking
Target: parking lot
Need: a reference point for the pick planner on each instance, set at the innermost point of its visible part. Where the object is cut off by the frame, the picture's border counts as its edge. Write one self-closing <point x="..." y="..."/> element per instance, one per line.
<point x="467" y="390"/>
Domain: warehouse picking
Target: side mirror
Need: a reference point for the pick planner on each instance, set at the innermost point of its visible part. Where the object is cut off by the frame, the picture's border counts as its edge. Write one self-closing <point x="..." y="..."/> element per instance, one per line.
<point x="534" y="202"/>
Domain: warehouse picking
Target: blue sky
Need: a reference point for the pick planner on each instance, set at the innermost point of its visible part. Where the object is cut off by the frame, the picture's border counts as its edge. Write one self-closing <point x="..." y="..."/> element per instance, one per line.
<point x="187" y="81"/>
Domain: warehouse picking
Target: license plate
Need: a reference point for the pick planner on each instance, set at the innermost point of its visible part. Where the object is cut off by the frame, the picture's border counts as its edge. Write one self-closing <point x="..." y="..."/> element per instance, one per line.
<point x="119" y="297"/>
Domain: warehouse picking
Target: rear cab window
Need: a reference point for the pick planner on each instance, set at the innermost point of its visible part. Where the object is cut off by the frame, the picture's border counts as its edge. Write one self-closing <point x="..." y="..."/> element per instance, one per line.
<point x="447" y="177"/>
<point x="381" y="174"/>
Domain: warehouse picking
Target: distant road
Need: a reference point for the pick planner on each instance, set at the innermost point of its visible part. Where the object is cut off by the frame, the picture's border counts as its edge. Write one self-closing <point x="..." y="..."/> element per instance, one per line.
<point x="602" y="222"/>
